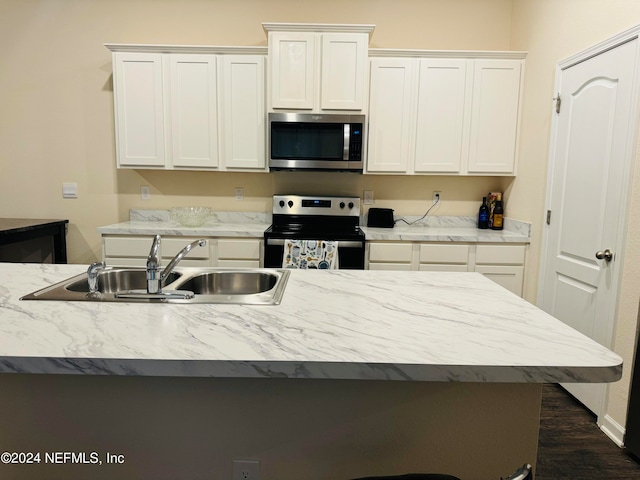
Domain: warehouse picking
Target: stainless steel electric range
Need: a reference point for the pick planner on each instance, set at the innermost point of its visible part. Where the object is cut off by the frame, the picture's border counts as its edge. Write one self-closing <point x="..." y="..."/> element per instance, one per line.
<point x="298" y="217"/>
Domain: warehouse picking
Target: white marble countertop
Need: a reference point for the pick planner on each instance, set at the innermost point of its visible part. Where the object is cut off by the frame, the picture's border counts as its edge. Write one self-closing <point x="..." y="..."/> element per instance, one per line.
<point x="341" y="324"/>
<point x="252" y="224"/>
<point x="443" y="234"/>
<point x="249" y="230"/>
<point x="222" y="224"/>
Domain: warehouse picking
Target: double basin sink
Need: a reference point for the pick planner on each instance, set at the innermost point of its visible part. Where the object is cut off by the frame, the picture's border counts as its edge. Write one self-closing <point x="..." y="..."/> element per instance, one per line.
<point x="182" y="285"/>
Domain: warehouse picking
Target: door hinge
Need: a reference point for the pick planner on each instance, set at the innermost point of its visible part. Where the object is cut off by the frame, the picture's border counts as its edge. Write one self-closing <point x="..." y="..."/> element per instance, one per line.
<point x="548" y="217"/>
<point x="558" y="102"/>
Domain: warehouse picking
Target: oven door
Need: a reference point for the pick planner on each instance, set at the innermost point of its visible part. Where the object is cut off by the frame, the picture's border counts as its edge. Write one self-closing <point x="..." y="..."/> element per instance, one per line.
<point x="350" y="252"/>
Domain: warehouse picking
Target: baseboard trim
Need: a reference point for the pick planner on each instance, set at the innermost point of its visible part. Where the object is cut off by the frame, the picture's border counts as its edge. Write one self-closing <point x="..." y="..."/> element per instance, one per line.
<point x="613" y="430"/>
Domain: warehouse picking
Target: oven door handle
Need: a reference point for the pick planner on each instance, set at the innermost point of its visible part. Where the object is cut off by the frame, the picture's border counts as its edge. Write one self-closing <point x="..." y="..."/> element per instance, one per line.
<point x="341" y="244"/>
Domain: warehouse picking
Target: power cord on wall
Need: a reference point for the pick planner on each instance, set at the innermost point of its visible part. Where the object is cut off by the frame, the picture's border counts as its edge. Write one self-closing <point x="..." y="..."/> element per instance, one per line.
<point x="426" y="213"/>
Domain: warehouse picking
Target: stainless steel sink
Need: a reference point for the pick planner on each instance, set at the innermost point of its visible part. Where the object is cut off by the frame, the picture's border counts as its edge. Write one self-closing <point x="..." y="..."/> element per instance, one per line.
<point x="117" y="280"/>
<point x="208" y="285"/>
<point x="230" y="283"/>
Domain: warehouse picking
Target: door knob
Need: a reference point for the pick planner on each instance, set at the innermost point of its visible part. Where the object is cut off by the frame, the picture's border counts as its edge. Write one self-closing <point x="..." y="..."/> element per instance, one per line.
<point x="606" y="255"/>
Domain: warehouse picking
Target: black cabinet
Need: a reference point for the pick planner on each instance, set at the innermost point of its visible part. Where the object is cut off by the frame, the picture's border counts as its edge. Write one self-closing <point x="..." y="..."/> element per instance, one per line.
<point x="26" y="240"/>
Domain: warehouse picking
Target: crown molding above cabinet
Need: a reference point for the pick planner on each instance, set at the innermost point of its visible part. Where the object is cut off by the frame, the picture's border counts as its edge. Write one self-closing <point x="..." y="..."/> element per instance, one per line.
<point x="319" y="28"/>
<point x="192" y="49"/>
<point x="462" y="54"/>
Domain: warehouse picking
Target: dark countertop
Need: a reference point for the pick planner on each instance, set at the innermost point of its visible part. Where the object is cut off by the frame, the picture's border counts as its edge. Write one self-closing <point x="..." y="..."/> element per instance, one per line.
<point x="10" y="226"/>
<point x="17" y="237"/>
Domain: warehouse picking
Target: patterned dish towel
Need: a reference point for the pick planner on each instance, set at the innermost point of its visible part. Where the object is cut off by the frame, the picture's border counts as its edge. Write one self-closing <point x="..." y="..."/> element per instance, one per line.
<point x="307" y="254"/>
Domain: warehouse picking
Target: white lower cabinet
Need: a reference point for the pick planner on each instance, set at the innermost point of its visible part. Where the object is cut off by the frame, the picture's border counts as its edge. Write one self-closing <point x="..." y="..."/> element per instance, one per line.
<point x="502" y="263"/>
<point x="235" y="252"/>
<point x="390" y="256"/>
<point x="132" y="251"/>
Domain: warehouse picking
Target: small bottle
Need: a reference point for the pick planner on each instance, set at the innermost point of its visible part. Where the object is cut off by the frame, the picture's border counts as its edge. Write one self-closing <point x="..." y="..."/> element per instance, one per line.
<point x="483" y="214"/>
<point x="498" y="216"/>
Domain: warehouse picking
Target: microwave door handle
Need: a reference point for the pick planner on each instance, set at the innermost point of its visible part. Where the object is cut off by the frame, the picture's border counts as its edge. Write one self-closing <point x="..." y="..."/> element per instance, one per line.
<point x="347" y="136"/>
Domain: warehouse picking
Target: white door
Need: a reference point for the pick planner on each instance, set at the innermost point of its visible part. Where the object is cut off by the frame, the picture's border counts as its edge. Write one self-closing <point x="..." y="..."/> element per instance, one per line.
<point x="586" y="197"/>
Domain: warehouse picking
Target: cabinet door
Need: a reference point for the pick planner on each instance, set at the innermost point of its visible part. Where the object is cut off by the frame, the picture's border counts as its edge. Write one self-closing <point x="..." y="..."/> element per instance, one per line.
<point x="391" y="114"/>
<point x="194" y="111"/>
<point x="494" y="116"/>
<point x="292" y="57"/>
<point x="243" y="112"/>
<point x="344" y="63"/>
<point x="509" y="276"/>
<point x="442" y="90"/>
<point x="139" y="109"/>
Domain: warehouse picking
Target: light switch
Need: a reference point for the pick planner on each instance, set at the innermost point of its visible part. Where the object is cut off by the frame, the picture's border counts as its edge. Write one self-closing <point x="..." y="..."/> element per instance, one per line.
<point x="69" y="190"/>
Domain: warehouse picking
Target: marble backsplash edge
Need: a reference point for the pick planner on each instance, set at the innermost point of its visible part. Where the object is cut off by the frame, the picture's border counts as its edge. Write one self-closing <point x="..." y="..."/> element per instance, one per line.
<point x="444" y="221"/>
<point x="435" y="221"/>
<point x="218" y="217"/>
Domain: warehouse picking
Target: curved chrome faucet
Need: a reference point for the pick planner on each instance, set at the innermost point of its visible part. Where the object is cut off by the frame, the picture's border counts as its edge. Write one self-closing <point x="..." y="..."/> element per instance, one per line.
<point x="153" y="267"/>
<point x="154" y="275"/>
<point x="92" y="276"/>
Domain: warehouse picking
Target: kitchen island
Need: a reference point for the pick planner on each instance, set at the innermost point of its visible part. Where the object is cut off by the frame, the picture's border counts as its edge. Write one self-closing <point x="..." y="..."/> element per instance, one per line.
<point x="355" y="373"/>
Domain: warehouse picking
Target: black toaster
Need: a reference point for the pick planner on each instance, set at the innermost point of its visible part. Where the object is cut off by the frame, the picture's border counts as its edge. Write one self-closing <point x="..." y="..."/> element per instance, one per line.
<point x="380" y="217"/>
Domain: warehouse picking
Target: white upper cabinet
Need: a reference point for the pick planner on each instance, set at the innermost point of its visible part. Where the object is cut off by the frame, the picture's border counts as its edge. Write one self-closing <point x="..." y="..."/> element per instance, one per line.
<point x="194" y="110"/>
<point x="344" y="67"/>
<point x="391" y="111"/>
<point x="292" y="57"/>
<point x="243" y="112"/>
<point x="189" y="108"/>
<point x="318" y="67"/>
<point x="440" y="129"/>
<point x="139" y="109"/>
<point x="494" y="116"/>
<point x="466" y="115"/>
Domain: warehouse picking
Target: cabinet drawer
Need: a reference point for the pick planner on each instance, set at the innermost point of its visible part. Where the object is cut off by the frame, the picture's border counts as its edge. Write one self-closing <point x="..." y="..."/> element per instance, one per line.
<point x="239" y="263"/>
<point x="444" y="254"/>
<point x="442" y="267"/>
<point x="390" y="266"/>
<point x="390" y="252"/>
<point x="500" y="254"/>
<point x="239" y="249"/>
<point x="140" y="246"/>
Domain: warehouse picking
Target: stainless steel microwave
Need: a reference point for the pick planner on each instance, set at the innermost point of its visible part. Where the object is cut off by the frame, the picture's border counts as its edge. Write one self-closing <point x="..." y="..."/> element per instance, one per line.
<point x="309" y="141"/>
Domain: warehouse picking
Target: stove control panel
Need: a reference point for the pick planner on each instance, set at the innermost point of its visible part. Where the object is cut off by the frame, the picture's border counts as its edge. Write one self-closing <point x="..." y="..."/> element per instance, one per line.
<point x="307" y="205"/>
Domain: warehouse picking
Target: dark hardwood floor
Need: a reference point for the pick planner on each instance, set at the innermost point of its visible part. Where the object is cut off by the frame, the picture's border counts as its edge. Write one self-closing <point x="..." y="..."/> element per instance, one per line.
<point x="571" y="446"/>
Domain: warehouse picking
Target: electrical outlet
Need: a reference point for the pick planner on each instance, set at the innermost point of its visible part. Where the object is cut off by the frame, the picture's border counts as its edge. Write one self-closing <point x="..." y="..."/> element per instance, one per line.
<point x="145" y="192"/>
<point x="368" y="197"/>
<point x="239" y="193"/>
<point x="246" y="470"/>
<point x="437" y="197"/>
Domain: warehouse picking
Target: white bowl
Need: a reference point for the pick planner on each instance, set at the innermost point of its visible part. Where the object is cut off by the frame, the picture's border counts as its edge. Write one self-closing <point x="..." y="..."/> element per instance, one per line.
<point x="190" y="216"/>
